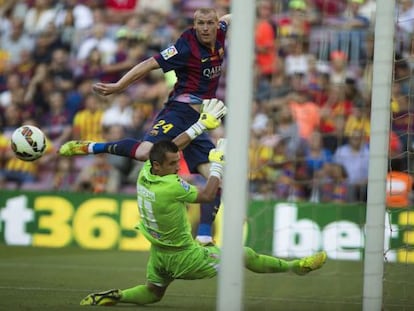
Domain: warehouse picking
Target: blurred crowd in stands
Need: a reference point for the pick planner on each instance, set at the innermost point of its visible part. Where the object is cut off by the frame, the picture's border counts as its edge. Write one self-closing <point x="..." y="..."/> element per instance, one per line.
<point x="311" y="105"/>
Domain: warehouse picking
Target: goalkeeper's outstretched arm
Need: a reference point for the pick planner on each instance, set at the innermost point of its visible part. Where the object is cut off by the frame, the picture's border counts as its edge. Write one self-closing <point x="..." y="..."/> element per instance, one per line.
<point x="217" y="161"/>
<point x="213" y="110"/>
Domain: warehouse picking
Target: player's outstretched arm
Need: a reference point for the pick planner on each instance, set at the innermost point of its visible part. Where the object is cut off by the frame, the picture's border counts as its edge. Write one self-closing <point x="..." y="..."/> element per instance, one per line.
<point x="213" y="110"/>
<point x="217" y="160"/>
<point x="134" y="74"/>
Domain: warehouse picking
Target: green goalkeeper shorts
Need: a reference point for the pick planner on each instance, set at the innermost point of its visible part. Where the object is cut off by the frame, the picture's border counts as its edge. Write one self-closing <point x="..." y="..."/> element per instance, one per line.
<point x="196" y="262"/>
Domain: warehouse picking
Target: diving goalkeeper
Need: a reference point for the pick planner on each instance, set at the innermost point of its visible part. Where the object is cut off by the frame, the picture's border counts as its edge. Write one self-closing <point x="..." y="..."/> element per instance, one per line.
<point x="174" y="254"/>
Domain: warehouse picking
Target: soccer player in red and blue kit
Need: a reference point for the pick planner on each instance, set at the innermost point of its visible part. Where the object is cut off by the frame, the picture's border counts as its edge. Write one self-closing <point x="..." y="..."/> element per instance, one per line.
<point x="196" y="58"/>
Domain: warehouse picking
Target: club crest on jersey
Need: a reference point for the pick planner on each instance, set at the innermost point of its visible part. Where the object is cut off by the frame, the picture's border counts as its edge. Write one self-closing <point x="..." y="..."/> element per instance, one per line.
<point x="185" y="185"/>
<point x="169" y="52"/>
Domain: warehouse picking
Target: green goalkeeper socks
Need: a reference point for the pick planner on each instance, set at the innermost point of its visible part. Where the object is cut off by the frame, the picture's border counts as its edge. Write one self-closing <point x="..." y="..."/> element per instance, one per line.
<point x="266" y="264"/>
<point x="139" y="294"/>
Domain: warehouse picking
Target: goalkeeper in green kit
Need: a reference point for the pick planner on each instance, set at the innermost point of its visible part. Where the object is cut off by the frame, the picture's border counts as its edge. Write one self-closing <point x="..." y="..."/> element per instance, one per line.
<point x="174" y="254"/>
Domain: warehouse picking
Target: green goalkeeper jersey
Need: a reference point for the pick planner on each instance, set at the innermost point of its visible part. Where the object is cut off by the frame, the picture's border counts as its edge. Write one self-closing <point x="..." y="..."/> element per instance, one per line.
<point x="162" y="206"/>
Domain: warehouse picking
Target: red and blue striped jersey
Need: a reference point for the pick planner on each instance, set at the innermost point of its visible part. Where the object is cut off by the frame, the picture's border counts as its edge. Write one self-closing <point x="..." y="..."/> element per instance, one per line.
<point x="197" y="67"/>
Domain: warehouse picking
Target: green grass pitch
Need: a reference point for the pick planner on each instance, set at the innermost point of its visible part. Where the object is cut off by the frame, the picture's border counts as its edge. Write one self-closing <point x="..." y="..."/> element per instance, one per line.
<point x="57" y="279"/>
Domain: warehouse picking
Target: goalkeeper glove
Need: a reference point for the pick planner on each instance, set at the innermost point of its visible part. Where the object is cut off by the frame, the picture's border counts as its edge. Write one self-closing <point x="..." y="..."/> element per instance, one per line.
<point x="210" y="118"/>
<point x="216" y="158"/>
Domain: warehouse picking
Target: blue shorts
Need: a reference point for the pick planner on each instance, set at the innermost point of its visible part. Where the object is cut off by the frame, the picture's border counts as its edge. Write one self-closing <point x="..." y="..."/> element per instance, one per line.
<point x="171" y="121"/>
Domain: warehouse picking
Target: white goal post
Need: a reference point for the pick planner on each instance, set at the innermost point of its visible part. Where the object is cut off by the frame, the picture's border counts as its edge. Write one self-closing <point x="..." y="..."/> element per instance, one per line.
<point x="378" y="159"/>
<point x="238" y="98"/>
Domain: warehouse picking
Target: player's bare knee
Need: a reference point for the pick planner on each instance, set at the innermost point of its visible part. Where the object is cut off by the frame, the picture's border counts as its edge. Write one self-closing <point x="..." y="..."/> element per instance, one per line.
<point x="142" y="152"/>
<point x="141" y="156"/>
<point x="249" y="254"/>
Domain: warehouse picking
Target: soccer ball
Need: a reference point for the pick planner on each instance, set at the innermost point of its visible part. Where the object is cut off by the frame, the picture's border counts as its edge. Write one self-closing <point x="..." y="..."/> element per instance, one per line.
<point x="28" y="143"/>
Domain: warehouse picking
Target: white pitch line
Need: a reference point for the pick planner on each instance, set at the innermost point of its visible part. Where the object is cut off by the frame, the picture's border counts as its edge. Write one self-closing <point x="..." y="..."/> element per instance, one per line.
<point x="41" y="289"/>
<point x="75" y="290"/>
<point x="78" y="267"/>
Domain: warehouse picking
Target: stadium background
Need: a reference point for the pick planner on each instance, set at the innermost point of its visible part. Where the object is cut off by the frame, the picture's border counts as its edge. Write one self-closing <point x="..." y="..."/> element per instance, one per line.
<point x="313" y="79"/>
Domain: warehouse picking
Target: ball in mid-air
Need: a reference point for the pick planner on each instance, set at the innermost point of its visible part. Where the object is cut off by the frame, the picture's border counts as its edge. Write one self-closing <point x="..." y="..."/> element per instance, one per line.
<point x="28" y="143"/>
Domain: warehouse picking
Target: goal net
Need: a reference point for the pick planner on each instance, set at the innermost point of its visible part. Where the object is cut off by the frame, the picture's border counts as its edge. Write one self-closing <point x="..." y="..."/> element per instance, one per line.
<point x="331" y="153"/>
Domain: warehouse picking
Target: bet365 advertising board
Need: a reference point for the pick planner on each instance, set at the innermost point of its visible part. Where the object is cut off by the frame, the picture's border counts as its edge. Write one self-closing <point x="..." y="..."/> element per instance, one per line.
<point x="55" y="219"/>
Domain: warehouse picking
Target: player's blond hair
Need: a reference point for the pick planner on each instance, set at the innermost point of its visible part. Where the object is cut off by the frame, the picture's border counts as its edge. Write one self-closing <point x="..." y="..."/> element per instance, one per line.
<point x="205" y="11"/>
